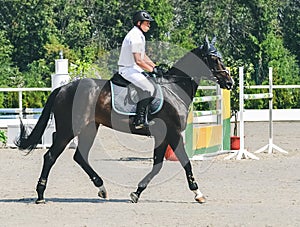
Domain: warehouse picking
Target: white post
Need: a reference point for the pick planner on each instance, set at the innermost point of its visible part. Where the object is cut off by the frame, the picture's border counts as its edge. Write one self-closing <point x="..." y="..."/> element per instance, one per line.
<point x="20" y="105"/>
<point x="270" y="146"/>
<point x="221" y="118"/>
<point x="270" y="109"/>
<point x="219" y="105"/>
<point x="242" y="152"/>
<point x="241" y="112"/>
<point x="61" y="76"/>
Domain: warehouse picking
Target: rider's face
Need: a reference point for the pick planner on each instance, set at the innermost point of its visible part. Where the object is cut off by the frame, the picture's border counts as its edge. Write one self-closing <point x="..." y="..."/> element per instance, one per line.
<point x="145" y="26"/>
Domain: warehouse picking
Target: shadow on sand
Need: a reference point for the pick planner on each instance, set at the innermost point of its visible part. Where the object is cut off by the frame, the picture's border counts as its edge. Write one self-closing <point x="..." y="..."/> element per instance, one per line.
<point x="87" y="200"/>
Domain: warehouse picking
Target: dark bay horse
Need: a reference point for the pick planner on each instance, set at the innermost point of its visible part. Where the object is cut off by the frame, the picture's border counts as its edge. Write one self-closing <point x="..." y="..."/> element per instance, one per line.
<point x="81" y="106"/>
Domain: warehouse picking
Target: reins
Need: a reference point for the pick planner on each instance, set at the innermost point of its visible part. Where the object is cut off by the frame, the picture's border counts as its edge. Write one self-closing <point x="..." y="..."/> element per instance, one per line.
<point x="168" y="76"/>
<point x="179" y="78"/>
<point x="173" y="78"/>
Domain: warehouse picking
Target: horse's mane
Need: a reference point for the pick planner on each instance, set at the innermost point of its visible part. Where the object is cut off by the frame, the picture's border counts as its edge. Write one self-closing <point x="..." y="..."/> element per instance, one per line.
<point x="191" y="65"/>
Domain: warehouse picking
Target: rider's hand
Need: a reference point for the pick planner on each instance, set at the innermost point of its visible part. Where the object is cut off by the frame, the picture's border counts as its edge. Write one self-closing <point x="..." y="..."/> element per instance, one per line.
<point x="158" y="71"/>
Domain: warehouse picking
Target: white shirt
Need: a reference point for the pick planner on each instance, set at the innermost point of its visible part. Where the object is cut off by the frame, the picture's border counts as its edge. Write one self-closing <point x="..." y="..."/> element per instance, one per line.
<point x="134" y="42"/>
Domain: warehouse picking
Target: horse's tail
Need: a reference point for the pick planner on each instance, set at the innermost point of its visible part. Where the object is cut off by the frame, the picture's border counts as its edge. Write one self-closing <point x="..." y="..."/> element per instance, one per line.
<point x="29" y="142"/>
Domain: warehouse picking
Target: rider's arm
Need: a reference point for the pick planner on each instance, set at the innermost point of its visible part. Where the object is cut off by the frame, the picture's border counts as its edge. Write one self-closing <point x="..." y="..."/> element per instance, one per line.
<point x="145" y="64"/>
<point x="149" y="61"/>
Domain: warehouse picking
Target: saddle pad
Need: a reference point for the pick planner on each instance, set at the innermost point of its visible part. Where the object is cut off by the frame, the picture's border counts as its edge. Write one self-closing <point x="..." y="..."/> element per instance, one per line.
<point x="121" y="105"/>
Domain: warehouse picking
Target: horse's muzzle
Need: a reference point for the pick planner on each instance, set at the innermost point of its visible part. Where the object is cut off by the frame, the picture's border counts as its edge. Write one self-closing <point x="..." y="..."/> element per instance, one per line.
<point x="224" y="79"/>
<point x="229" y="84"/>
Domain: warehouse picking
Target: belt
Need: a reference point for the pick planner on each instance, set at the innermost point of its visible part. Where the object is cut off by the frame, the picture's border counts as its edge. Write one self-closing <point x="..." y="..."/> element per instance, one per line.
<point x="123" y="66"/>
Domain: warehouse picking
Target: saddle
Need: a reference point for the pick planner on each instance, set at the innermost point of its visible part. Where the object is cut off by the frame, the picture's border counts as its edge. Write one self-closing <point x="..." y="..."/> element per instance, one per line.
<point x="125" y="95"/>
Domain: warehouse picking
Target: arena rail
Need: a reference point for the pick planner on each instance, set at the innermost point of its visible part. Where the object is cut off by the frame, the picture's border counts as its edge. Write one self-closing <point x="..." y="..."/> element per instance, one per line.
<point x="15" y="113"/>
<point x="199" y="137"/>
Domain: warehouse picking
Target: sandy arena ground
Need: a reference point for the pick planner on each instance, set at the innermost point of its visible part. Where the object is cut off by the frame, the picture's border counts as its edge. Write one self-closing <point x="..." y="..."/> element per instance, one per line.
<point x="263" y="192"/>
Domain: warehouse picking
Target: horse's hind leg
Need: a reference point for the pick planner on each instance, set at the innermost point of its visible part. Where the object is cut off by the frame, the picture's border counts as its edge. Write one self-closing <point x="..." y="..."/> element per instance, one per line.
<point x="50" y="158"/>
<point x="85" y="142"/>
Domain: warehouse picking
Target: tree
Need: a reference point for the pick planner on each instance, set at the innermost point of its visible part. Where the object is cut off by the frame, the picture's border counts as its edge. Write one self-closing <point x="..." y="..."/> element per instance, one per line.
<point x="289" y="17"/>
<point x="6" y="68"/>
<point x="9" y="75"/>
<point x="29" y="23"/>
<point x="259" y="33"/>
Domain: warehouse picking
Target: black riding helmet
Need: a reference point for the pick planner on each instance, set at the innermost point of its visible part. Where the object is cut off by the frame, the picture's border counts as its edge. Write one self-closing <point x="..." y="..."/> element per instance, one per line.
<point x="141" y="15"/>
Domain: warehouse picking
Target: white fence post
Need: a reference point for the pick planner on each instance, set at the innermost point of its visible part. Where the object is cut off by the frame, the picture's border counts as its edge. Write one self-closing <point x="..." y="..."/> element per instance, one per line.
<point x="20" y="104"/>
<point x="242" y="152"/>
<point x="271" y="145"/>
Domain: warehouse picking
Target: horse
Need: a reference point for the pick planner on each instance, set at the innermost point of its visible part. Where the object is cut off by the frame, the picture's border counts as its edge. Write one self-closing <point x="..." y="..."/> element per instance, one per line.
<point x="81" y="106"/>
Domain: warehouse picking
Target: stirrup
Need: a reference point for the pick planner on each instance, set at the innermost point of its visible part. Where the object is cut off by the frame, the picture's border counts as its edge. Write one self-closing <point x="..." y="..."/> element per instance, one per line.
<point x="140" y="126"/>
<point x="144" y="124"/>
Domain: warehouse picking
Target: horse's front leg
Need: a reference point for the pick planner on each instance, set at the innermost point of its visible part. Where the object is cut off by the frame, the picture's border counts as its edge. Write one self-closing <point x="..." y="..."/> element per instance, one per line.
<point x="85" y="142"/>
<point x="158" y="159"/>
<point x="186" y="164"/>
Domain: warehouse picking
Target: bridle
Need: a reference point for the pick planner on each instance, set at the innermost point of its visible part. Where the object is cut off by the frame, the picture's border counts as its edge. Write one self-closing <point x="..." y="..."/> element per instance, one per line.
<point x="214" y="71"/>
<point x="206" y="56"/>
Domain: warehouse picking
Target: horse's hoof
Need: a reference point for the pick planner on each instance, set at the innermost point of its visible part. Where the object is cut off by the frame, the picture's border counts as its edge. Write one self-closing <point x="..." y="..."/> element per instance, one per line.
<point x="200" y="199"/>
<point x="40" y="201"/>
<point x="102" y="193"/>
<point x="134" y="197"/>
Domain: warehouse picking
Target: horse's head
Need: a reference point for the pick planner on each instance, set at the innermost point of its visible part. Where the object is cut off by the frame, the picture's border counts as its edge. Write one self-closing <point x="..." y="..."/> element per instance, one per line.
<point x="213" y="60"/>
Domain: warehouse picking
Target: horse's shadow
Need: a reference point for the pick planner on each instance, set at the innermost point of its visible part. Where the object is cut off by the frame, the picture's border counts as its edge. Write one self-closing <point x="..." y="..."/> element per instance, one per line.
<point x="88" y="200"/>
<point x="128" y="159"/>
<point x="66" y="200"/>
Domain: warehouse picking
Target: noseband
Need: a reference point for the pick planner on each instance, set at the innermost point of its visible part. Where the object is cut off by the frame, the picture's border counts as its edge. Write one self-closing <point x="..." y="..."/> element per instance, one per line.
<point x="219" y="71"/>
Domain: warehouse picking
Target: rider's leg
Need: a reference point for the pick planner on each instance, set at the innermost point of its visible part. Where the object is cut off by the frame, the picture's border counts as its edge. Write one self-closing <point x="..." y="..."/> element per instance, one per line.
<point x="141" y="120"/>
<point x="145" y="94"/>
<point x="138" y="79"/>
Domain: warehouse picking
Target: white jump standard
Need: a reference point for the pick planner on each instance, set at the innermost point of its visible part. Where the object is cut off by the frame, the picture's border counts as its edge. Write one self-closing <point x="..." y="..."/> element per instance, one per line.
<point x="270" y="146"/>
<point x="243" y="153"/>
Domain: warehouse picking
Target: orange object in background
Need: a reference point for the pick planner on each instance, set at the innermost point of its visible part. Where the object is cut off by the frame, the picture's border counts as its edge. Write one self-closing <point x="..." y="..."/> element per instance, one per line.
<point x="170" y="155"/>
<point x="234" y="142"/>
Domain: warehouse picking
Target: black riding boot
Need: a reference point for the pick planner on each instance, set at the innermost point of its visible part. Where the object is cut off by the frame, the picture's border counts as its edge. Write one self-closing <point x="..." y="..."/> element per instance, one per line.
<point x="141" y="120"/>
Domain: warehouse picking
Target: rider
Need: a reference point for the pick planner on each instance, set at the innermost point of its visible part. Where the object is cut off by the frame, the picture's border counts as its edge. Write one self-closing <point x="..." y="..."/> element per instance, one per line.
<point x="133" y="61"/>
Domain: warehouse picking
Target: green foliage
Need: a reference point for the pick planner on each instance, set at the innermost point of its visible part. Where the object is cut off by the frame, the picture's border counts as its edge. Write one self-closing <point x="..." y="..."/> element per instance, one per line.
<point x="37" y="74"/>
<point x="7" y="70"/>
<point x="3" y="137"/>
<point x="28" y="24"/>
<point x="9" y="75"/>
<point x="235" y="92"/>
<point x="5" y="48"/>
<point x="256" y="34"/>
<point x="289" y="18"/>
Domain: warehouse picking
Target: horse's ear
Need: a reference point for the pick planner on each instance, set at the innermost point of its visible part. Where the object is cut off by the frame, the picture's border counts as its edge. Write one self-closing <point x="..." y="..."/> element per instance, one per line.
<point x="206" y="40"/>
<point x="206" y="43"/>
<point x="214" y="40"/>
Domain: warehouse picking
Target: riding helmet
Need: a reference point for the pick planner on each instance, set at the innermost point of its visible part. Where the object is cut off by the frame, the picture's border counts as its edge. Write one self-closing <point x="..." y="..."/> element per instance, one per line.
<point x="141" y="15"/>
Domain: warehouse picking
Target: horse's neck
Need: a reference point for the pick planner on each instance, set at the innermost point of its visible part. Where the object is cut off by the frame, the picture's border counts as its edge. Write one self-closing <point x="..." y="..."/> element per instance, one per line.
<point x="182" y="88"/>
<point x="193" y="66"/>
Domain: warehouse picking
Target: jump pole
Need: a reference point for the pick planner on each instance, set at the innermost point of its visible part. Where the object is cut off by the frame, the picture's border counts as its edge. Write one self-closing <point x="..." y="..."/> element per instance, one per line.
<point x="270" y="146"/>
<point x="242" y="152"/>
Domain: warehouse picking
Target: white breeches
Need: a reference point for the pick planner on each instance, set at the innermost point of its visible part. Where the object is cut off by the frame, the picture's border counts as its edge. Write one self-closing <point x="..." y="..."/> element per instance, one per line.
<point x="137" y="78"/>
